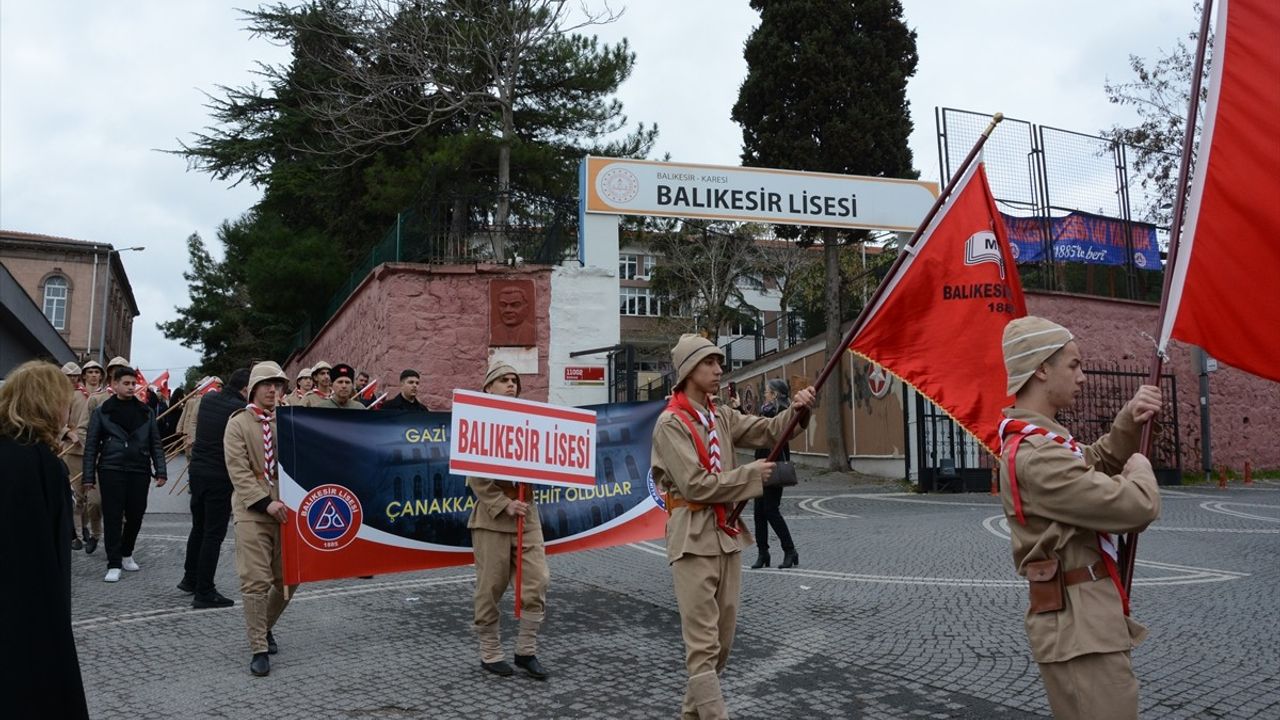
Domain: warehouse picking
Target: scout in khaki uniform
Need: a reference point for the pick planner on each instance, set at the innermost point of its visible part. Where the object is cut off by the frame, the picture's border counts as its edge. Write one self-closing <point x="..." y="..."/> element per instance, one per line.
<point x="302" y="387"/>
<point x="493" y="538"/>
<point x="250" y="449"/>
<point x="321" y="386"/>
<point x="99" y="391"/>
<point x="191" y="410"/>
<point x="1067" y="503"/>
<point x="344" y="390"/>
<point x="73" y="448"/>
<point x="694" y="465"/>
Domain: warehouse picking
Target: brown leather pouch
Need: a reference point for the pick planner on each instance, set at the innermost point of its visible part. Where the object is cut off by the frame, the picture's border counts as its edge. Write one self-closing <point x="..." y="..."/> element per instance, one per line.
<point x="1045" y="578"/>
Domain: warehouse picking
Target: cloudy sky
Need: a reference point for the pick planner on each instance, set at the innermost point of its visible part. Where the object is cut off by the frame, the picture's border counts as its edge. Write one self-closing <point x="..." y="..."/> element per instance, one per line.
<point x="89" y="92"/>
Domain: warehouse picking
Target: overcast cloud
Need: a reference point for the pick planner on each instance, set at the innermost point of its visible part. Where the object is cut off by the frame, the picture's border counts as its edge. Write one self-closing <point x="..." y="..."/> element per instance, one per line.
<point x="89" y="91"/>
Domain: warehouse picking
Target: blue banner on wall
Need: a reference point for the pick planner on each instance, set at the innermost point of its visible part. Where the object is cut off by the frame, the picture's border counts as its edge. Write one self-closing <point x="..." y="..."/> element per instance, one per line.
<point x="1083" y="238"/>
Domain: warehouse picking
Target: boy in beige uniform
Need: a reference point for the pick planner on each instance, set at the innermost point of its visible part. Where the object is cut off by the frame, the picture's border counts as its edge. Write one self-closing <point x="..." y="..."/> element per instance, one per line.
<point x="1067" y="504"/>
<point x="493" y="539"/>
<point x="251" y="453"/>
<point x="191" y="409"/>
<point x="694" y="465"/>
<point x="74" y="454"/>
<point x="320" y="386"/>
<point x="302" y="387"/>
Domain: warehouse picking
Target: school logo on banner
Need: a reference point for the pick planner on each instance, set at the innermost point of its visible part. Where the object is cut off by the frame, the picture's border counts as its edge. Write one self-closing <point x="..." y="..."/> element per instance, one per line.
<point x="329" y="517"/>
<point x="983" y="247"/>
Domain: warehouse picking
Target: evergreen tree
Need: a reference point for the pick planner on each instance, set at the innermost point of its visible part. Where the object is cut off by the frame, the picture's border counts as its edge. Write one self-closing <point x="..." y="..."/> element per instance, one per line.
<point x="826" y="91"/>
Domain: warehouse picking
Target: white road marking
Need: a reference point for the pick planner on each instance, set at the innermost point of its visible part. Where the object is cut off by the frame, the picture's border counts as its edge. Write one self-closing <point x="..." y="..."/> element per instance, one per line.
<point x="1219" y="506"/>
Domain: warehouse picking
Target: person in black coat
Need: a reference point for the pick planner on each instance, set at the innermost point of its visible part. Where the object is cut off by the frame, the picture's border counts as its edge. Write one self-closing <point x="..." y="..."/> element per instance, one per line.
<point x="407" y="398"/>
<point x="210" y="492"/>
<point x="768" y="507"/>
<point x="39" y="668"/>
<point x="169" y="423"/>
<point x="123" y="450"/>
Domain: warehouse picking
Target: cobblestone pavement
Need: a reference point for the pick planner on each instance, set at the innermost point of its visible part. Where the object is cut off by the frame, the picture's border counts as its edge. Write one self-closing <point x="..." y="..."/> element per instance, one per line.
<point x="904" y="606"/>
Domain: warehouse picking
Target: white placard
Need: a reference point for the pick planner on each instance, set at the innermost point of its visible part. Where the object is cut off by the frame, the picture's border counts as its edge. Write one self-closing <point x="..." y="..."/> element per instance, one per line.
<point x="506" y="438"/>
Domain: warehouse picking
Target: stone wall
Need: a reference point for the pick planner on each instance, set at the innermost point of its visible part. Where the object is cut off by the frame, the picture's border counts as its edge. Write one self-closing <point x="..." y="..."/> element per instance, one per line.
<point x="431" y="318"/>
<point x="1244" y="410"/>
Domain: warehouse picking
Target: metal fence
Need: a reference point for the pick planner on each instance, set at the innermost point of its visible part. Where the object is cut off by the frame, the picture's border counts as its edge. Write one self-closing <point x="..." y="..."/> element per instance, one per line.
<point x="1043" y="172"/>
<point x="461" y="230"/>
<point x="948" y="458"/>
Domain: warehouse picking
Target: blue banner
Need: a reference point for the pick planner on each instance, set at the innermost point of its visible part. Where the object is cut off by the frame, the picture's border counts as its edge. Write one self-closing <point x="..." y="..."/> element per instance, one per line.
<point x="1083" y="238"/>
<point x="370" y="492"/>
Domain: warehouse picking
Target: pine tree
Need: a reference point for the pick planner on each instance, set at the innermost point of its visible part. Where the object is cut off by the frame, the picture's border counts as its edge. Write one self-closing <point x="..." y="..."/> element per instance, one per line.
<point x="826" y="91"/>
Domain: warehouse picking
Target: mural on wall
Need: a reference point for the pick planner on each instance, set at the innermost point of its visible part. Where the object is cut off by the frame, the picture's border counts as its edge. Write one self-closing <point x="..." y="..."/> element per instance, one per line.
<point x="511" y="313"/>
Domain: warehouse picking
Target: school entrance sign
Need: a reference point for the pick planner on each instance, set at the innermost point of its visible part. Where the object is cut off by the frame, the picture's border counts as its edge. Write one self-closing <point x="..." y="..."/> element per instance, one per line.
<point x="617" y="186"/>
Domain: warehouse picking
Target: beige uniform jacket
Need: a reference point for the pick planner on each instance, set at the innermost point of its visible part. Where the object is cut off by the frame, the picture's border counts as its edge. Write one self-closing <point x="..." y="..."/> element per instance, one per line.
<point x="91" y="403"/>
<point x="1067" y="501"/>
<point x="352" y="404"/>
<point x="187" y="420"/>
<point x="490" y="512"/>
<point x="677" y="470"/>
<point x="78" y="419"/>
<point x="312" y="399"/>
<point x="246" y="458"/>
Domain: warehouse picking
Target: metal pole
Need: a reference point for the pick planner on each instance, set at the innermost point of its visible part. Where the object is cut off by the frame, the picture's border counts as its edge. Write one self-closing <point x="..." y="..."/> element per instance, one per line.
<point x="1206" y="456"/>
<point x="93" y="297"/>
<point x="106" y="313"/>
<point x="834" y="360"/>
<point x="1129" y="544"/>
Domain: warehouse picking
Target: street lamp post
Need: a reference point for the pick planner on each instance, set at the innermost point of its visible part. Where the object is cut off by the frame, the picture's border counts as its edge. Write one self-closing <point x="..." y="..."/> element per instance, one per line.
<point x="106" y="305"/>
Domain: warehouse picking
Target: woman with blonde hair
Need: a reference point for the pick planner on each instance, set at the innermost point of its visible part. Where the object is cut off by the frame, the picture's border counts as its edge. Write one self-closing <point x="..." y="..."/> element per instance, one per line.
<point x="39" y="672"/>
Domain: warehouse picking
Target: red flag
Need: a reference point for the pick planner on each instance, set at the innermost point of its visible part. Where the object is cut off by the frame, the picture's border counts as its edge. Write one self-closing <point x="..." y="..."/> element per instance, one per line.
<point x="141" y="394"/>
<point x="1224" y="296"/>
<point x="162" y="384"/>
<point x="939" y="321"/>
<point x="377" y="404"/>
<point x="369" y="390"/>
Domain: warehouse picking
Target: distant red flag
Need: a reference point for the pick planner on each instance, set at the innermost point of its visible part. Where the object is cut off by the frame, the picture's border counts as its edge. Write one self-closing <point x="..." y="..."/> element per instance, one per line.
<point x="377" y="404"/>
<point x="368" y="392"/>
<point x="141" y="394"/>
<point x="162" y="384"/>
<point x="1224" y="296"/>
<point x="939" y="322"/>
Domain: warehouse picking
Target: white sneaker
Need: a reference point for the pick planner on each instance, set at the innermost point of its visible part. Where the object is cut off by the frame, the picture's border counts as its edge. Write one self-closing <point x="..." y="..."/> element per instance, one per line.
<point x="113" y="575"/>
<point x="129" y="564"/>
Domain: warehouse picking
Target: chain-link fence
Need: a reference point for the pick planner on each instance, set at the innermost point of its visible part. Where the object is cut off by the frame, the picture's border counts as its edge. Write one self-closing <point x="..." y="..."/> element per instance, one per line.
<point x="1082" y="218"/>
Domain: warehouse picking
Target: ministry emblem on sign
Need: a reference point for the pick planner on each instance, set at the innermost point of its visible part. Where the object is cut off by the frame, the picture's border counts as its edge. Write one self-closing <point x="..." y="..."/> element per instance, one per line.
<point x="619" y="185"/>
<point x="329" y="517"/>
<point x="878" y="382"/>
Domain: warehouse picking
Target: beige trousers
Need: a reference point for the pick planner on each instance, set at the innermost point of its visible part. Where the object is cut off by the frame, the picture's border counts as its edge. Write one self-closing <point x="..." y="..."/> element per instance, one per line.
<point x="1098" y="686"/>
<point x="88" y="507"/>
<point x="495" y="565"/>
<point x="707" y="589"/>
<point x="261" y="579"/>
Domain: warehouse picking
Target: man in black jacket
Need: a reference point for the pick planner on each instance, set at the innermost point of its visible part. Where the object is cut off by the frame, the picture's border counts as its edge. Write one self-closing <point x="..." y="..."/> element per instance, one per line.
<point x="123" y="450"/>
<point x="210" y="493"/>
<point x="407" y="399"/>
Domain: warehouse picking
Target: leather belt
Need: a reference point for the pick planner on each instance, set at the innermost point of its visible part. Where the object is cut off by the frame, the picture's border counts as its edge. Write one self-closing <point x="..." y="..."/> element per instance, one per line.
<point x="675" y="501"/>
<point x="1096" y="571"/>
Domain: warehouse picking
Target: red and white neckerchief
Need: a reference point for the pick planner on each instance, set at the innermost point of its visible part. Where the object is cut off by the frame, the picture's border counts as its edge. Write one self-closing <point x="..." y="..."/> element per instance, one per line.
<point x="82" y="389"/>
<point x="268" y="442"/>
<point x="680" y="406"/>
<point x="1012" y="433"/>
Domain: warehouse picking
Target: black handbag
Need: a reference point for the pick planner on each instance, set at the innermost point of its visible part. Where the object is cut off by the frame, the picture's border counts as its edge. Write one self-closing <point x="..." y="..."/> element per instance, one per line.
<point x="784" y="475"/>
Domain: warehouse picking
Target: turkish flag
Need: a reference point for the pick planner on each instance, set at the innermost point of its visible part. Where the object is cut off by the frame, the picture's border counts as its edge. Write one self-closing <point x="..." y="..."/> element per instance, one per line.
<point x="1223" y="295"/>
<point x="939" y="321"/>
<point x="141" y="394"/>
<point x="369" y="390"/>
<point x="162" y="384"/>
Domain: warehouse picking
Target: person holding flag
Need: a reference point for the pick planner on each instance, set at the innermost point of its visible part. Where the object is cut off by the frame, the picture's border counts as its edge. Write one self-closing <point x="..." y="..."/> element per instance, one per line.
<point x="344" y="390"/>
<point x="695" y="467"/>
<point x="365" y="391"/>
<point x="492" y="524"/>
<point x="249" y="451"/>
<point x="191" y="411"/>
<point x="1065" y="503"/>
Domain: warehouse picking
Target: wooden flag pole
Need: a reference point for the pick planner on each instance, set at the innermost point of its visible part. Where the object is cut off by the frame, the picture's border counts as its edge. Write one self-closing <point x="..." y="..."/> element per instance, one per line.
<point x="1128" y="549"/>
<point x="856" y="327"/>
<point x="519" y="548"/>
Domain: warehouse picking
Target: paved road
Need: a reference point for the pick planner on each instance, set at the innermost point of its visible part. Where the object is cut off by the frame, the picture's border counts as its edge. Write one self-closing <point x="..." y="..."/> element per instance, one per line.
<point x="904" y="606"/>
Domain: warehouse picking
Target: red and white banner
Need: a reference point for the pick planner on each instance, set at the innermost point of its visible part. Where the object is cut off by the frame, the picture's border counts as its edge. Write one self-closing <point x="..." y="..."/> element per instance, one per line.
<point x="939" y="322"/>
<point x="506" y="438"/>
<point x="1224" y="294"/>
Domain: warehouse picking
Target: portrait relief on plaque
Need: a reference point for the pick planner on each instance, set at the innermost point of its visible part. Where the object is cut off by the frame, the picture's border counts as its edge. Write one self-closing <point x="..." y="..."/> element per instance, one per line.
<point x="511" y="313"/>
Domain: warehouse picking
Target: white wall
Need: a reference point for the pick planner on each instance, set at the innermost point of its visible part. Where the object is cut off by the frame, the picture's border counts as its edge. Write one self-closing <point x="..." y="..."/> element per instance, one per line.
<point x="584" y="315"/>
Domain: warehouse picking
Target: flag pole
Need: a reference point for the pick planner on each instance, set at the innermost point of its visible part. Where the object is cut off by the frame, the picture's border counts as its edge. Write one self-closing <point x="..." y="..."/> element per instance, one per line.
<point x="861" y="320"/>
<point x="1129" y="543"/>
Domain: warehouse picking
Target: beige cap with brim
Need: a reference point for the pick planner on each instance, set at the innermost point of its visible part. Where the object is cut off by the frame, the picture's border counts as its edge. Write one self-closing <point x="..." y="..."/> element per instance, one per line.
<point x="1028" y="342"/>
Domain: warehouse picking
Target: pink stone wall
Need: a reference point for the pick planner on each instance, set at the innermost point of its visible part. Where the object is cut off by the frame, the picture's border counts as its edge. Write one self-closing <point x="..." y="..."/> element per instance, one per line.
<point x="434" y="319"/>
<point x="1244" y="410"/>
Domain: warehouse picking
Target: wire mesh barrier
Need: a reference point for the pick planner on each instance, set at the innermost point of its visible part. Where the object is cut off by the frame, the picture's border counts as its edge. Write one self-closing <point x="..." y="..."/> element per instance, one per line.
<point x="1082" y="214"/>
<point x="459" y="231"/>
<point x="947" y="458"/>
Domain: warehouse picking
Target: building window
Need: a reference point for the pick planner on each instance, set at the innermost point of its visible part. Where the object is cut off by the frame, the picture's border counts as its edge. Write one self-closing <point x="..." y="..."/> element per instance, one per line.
<point x="55" y="301"/>
<point x="745" y="325"/>
<point x="627" y="266"/>
<point x="650" y="262"/>
<point x="638" y="301"/>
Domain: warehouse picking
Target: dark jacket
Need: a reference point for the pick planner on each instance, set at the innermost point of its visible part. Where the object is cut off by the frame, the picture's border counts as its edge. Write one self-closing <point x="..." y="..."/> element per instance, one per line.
<point x="399" y="403"/>
<point x="770" y="410"/>
<point x="108" y="446"/>
<point x="208" y="462"/>
<point x="39" y="671"/>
